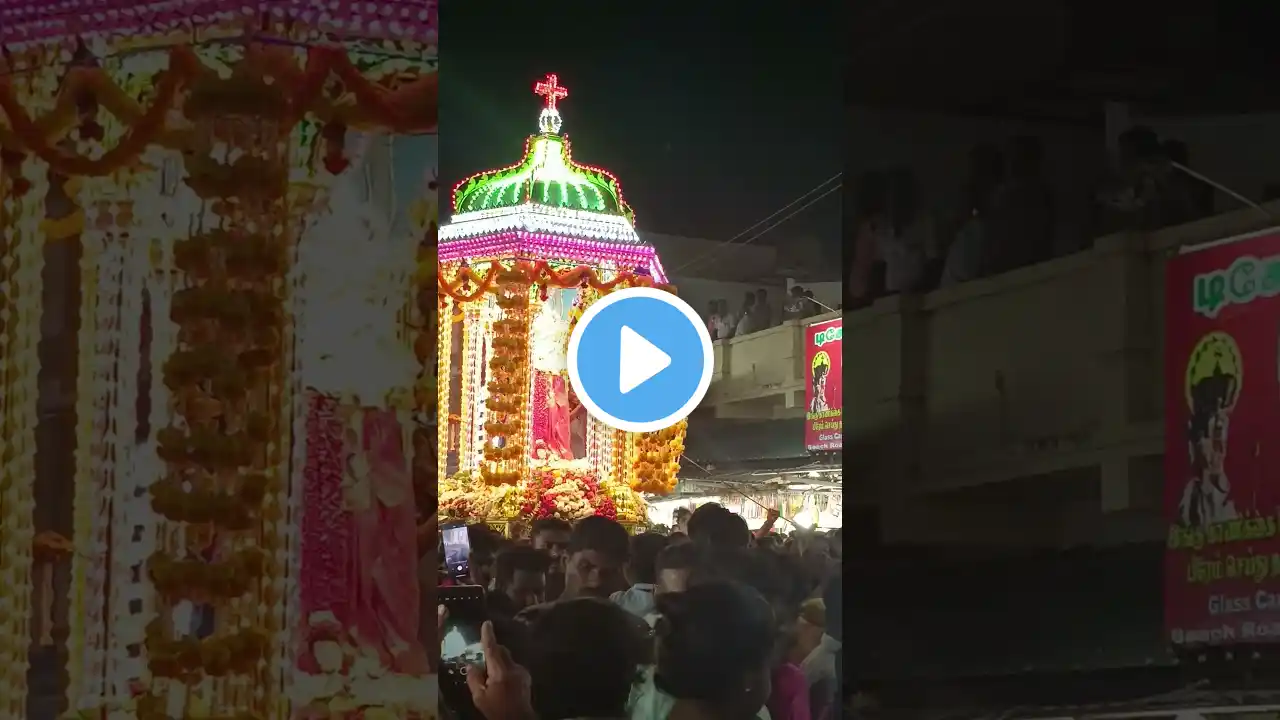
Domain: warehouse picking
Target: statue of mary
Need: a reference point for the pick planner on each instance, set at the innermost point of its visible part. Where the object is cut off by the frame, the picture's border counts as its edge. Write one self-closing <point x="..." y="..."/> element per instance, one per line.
<point x="550" y="398"/>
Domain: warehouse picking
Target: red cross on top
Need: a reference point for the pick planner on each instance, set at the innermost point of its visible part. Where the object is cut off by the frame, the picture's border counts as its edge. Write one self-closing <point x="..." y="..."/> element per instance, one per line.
<point x="552" y="90"/>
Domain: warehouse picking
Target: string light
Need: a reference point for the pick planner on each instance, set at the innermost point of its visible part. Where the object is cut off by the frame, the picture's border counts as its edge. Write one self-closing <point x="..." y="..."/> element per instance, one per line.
<point x="128" y="255"/>
<point x="554" y="215"/>
<point x="534" y="217"/>
<point x="22" y="290"/>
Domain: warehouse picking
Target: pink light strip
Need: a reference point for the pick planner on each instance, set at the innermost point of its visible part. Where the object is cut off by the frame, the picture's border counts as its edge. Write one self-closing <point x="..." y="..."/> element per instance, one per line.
<point x="24" y="21"/>
<point x="540" y="246"/>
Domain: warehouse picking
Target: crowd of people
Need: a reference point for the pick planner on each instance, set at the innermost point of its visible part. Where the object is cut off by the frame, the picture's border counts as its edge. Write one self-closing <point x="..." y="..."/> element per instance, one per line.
<point x="1007" y="218"/>
<point x="708" y="621"/>
<point x="756" y="313"/>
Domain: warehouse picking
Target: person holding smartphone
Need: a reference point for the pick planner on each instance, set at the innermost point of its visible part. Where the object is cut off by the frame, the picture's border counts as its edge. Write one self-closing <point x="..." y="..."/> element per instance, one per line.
<point x="572" y="641"/>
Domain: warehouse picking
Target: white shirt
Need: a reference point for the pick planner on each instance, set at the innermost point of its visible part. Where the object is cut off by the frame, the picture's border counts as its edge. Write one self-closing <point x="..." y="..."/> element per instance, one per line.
<point x="637" y="600"/>
<point x="820" y="663"/>
<point x="647" y="702"/>
<point x="745" y="325"/>
<point x="903" y="255"/>
<point x="964" y="258"/>
<point x="725" y="325"/>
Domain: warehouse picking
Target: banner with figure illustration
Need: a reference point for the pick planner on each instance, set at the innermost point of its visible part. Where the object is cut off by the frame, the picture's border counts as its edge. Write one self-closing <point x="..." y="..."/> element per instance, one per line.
<point x="824" y="406"/>
<point x="1222" y="442"/>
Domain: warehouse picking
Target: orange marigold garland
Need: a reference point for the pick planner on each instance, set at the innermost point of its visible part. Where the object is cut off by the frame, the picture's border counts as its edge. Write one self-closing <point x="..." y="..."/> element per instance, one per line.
<point x="408" y="108"/>
<point x="505" y="451"/>
<point x="225" y="378"/>
<point x="467" y="285"/>
<point x="657" y="459"/>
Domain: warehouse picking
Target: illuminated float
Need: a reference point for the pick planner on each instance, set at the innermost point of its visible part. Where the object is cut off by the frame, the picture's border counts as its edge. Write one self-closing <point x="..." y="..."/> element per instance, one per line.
<point x="528" y="249"/>
<point x="192" y="155"/>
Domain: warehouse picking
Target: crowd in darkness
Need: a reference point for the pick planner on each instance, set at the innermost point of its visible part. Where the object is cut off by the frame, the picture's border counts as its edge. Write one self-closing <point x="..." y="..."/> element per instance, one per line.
<point x="756" y="313"/>
<point x="710" y="621"/>
<point x="1007" y="218"/>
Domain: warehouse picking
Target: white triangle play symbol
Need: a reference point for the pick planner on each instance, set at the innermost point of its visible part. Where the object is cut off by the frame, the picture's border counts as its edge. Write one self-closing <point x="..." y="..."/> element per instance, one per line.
<point x="640" y="360"/>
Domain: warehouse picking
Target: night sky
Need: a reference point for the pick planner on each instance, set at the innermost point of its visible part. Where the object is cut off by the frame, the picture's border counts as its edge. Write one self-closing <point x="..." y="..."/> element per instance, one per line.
<point x="712" y="116"/>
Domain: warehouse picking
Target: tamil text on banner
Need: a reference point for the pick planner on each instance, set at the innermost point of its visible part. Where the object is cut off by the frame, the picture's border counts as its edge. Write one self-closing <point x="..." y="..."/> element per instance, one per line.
<point x="822" y="396"/>
<point x="1222" y="442"/>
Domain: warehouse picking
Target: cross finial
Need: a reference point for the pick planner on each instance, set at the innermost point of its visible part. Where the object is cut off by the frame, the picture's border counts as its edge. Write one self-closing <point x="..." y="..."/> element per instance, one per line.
<point x="552" y="90"/>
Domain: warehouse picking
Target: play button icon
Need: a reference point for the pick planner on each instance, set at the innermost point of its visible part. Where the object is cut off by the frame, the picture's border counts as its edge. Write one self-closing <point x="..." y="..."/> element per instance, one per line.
<point x="640" y="359"/>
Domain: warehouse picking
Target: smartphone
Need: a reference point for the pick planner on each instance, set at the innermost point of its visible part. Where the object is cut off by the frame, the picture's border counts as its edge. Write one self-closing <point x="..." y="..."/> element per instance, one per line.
<point x="460" y="644"/>
<point x="457" y="548"/>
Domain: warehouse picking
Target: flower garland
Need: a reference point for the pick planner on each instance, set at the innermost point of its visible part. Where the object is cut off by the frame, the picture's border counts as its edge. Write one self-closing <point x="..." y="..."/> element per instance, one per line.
<point x="222" y="374"/>
<point x="508" y="391"/>
<point x="409" y="108"/>
<point x="566" y="493"/>
<point x="657" y="459"/>
<point x="537" y="273"/>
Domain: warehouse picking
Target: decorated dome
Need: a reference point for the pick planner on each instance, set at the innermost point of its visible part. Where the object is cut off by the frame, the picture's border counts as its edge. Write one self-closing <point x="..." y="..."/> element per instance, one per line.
<point x="547" y="174"/>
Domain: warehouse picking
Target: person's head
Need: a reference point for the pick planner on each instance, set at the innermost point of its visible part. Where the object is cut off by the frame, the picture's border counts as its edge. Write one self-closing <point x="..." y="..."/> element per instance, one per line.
<point x="676" y="538"/>
<point x="712" y="524"/>
<point x="485" y="544"/>
<point x="768" y="542"/>
<point x="598" y="549"/>
<point x="986" y="164"/>
<point x="674" y="565"/>
<point x="551" y="535"/>
<point x="1138" y="144"/>
<point x="871" y="196"/>
<point x="520" y="573"/>
<point x="903" y="198"/>
<point x="816" y="557"/>
<point x="820" y="380"/>
<point x="644" y="553"/>
<point x="1178" y="152"/>
<point x="797" y="291"/>
<point x="715" y="646"/>
<point x="762" y="296"/>
<point x="778" y="581"/>
<point x="749" y="300"/>
<point x="582" y="658"/>
<point x="1207" y="426"/>
<point x="681" y="518"/>
<point x="814" y="612"/>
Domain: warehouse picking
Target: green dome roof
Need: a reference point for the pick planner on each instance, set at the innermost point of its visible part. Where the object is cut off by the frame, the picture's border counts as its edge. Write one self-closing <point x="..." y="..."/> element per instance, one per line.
<point x="546" y="176"/>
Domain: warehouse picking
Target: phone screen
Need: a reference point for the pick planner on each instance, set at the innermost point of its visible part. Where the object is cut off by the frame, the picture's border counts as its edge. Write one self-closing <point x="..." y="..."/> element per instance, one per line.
<point x="460" y="644"/>
<point x="457" y="547"/>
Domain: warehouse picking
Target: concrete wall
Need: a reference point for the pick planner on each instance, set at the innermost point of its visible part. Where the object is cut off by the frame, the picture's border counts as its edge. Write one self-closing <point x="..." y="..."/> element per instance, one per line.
<point x="1025" y="408"/>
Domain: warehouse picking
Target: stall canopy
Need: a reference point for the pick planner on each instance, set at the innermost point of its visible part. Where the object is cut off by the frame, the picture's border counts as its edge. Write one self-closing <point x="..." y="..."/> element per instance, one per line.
<point x="1083" y="609"/>
<point x="722" y="445"/>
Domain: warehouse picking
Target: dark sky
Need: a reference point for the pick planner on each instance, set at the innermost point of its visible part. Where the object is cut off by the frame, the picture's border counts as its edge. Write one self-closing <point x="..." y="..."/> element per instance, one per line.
<point x="712" y="116"/>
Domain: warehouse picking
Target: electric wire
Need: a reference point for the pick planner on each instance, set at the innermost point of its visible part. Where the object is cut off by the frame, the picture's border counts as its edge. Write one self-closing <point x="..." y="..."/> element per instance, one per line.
<point x="734" y="241"/>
